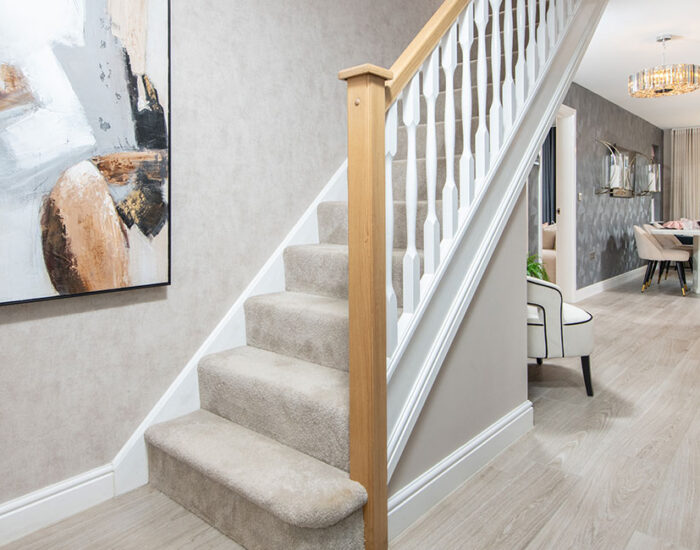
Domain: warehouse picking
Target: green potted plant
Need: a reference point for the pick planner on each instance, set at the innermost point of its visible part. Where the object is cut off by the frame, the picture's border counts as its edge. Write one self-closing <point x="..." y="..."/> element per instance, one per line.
<point x="536" y="269"/>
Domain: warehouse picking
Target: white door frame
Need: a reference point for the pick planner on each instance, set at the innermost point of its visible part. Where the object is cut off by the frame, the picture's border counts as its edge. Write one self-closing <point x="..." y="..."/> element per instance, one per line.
<point x="566" y="202"/>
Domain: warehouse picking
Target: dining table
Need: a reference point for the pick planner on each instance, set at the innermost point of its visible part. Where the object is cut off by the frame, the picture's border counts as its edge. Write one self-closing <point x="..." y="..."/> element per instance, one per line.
<point x="695" y="234"/>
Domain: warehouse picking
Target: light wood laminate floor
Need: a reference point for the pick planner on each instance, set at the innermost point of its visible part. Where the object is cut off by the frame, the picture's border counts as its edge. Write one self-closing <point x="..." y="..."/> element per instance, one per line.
<point x="619" y="471"/>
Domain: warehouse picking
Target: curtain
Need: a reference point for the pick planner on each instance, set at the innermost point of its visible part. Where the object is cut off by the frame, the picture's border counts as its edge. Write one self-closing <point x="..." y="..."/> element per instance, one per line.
<point x="685" y="179"/>
<point x="549" y="177"/>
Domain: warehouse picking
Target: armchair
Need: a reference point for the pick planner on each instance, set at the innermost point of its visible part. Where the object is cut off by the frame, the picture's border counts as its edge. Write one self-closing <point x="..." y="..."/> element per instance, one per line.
<point x="557" y="329"/>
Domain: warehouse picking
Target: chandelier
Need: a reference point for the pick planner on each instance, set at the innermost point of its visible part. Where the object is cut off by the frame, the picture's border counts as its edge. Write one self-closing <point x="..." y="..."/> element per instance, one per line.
<point x="665" y="80"/>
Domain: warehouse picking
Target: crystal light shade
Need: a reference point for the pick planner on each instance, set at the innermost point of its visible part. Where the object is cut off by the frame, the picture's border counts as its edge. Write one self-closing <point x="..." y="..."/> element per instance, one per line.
<point x="665" y="80"/>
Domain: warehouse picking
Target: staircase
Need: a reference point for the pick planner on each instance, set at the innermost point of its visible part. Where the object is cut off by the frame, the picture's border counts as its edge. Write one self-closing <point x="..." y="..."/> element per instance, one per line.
<point x="289" y="448"/>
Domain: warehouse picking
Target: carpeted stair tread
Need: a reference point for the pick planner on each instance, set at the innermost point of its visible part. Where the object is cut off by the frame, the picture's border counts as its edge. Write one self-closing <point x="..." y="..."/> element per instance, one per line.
<point x="291" y="485"/>
<point x="295" y="402"/>
<point x="323" y="269"/>
<point x="306" y="326"/>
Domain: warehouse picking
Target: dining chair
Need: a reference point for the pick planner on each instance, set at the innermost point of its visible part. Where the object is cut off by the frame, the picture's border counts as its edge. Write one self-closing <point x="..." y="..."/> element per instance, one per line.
<point x="650" y="249"/>
<point x="670" y="242"/>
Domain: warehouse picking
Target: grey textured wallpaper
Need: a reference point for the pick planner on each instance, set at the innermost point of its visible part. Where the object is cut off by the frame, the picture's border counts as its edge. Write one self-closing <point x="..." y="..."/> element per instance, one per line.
<point x="258" y="128"/>
<point x="605" y="241"/>
<point x="533" y="199"/>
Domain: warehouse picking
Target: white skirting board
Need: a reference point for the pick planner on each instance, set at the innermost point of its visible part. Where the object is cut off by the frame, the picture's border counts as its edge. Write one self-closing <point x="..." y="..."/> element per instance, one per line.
<point x="414" y="500"/>
<point x="608" y="284"/>
<point x="129" y="469"/>
<point x="29" y="513"/>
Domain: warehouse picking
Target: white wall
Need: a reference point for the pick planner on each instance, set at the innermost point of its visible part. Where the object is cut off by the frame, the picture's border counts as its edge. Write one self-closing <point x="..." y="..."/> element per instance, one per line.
<point x="484" y="376"/>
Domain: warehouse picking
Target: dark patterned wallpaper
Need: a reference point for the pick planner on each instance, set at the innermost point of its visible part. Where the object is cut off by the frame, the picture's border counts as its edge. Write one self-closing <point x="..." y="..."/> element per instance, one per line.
<point x="605" y="241"/>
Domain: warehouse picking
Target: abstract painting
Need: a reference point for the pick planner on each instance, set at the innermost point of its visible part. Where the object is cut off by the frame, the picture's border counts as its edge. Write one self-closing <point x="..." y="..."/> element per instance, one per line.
<point x="84" y="147"/>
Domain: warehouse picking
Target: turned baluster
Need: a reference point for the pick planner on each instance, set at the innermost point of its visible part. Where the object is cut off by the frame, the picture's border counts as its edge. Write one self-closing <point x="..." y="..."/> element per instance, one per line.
<point x="466" y="161"/>
<point x="449" y="191"/>
<point x="431" y="227"/>
<point x="411" y="261"/>
<point x="390" y="144"/>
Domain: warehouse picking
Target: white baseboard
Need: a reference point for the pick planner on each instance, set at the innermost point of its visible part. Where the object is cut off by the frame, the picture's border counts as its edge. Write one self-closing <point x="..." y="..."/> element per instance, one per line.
<point x="608" y="284"/>
<point x="129" y="469"/>
<point x="414" y="500"/>
<point x="26" y="514"/>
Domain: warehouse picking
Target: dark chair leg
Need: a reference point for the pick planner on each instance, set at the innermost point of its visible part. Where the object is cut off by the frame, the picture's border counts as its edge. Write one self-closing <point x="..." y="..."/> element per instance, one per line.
<point x="681" y="276"/>
<point x="668" y="265"/>
<point x="646" y="275"/>
<point x="661" y="271"/>
<point x="539" y="360"/>
<point x="586" y="366"/>
<point x="653" y="272"/>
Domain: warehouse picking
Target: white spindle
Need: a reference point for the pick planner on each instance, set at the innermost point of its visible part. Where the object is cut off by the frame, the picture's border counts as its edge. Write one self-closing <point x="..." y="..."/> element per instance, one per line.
<point x="481" y="16"/>
<point x="390" y="144"/>
<point x="508" y="83"/>
<point x="431" y="227"/>
<point x="561" y="16"/>
<point x="533" y="66"/>
<point x="542" y="35"/>
<point x="496" y="112"/>
<point x="553" y="23"/>
<point x="449" y="191"/>
<point x="466" y="161"/>
<point x="411" y="261"/>
<point x="521" y="65"/>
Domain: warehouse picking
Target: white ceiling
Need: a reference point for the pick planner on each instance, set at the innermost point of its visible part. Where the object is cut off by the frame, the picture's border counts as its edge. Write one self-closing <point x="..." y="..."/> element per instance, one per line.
<point x="625" y="42"/>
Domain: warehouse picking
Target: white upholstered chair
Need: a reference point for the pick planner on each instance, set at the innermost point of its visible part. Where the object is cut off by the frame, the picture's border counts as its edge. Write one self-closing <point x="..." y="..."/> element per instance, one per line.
<point x="557" y="329"/>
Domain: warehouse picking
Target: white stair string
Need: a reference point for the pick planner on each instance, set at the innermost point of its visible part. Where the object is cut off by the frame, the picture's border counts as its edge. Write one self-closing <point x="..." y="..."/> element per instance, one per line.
<point x="411" y="261"/>
<point x="431" y="227"/>
<point x="449" y="191"/>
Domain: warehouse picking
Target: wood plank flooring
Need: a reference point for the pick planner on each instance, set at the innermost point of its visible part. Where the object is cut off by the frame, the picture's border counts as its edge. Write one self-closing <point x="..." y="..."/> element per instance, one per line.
<point x="144" y="519"/>
<point x="618" y="471"/>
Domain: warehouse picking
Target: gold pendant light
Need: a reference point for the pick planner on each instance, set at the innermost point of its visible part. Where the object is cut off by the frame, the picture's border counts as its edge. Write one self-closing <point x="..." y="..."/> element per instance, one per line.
<point x="665" y="80"/>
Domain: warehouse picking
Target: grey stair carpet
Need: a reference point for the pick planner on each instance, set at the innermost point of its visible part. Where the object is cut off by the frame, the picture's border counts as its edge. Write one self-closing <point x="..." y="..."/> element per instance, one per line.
<point x="297" y="403"/>
<point x="323" y="269"/>
<point x="306" y="326"/>
<point x="262" y="493"/>
<point x="265" y="459"/>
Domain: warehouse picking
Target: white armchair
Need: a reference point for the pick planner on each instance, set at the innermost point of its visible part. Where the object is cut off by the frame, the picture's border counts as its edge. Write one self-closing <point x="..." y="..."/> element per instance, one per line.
<point x="557" y="329"/>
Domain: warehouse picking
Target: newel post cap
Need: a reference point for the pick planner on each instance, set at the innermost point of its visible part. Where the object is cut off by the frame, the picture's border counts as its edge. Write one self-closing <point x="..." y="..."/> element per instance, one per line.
<point x="366" y="68"/>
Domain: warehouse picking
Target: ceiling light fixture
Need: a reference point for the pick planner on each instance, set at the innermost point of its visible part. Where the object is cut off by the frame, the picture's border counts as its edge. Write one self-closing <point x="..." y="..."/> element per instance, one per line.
<point x="665" y="80"/>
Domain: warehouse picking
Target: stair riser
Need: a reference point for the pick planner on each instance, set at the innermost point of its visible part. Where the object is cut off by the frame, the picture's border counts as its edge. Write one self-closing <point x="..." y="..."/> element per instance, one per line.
<point x="328" y="276"/>
<point x="318" y="339"/>
<point x="473" y="66"/>
<point x="333" y="222"/>
<point x="422" y="138"/>
<point x="399" y="178"/>
<point x="240" y="519"/>
<point x="273" y="410"/>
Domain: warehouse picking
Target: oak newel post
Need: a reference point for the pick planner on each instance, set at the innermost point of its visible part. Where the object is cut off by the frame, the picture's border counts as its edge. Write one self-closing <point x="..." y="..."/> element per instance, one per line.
<point x="367" y="292"/>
